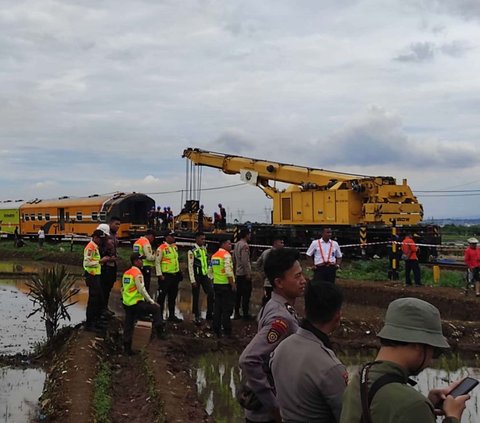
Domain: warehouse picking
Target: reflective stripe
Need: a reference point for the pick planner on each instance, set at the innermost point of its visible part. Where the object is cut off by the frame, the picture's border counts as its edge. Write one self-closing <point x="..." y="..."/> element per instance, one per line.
<point x="218" y="267"/>
<point x="92" y="250"/>
<point x="139" y="246"/>
<point x="200" y="260"/>
<point x="169" y="261"/>
<point x="130" y="294"/>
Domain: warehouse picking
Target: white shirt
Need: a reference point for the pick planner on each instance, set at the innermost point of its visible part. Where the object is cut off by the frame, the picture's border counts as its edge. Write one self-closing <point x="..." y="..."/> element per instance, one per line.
<point x="41" y="233"/>
<point x="329" y="252"/>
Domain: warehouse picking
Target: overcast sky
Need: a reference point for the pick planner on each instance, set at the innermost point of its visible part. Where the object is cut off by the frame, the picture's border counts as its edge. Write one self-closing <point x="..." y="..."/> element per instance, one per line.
<point x="100" y="96"/>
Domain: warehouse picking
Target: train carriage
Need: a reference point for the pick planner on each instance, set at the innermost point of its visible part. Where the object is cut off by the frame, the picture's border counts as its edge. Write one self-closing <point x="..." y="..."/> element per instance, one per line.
<point x="66" y="216"/>
<point x="9" y="216"/>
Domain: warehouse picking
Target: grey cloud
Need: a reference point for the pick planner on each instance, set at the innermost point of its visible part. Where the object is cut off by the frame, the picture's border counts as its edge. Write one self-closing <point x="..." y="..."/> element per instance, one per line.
<point x="467" y="9"/>
<point x="454" y="48"/>
<point x="234" y="142"/>
<point x="421" y="52"/>
<point x="379" y="139"/>
<point x="418" y="53"/>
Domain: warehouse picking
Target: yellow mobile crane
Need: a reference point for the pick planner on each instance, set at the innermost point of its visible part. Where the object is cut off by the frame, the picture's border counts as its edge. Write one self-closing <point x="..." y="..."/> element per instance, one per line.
<point x="318" y="196"/>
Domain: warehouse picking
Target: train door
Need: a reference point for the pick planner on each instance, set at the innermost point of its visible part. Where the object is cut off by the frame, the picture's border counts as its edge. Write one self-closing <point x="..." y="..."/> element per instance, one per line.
<point x="61" y="219"/>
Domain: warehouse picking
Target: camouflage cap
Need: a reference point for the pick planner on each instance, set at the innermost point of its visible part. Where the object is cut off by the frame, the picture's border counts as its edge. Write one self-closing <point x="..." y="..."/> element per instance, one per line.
<point x="414" y="321"/>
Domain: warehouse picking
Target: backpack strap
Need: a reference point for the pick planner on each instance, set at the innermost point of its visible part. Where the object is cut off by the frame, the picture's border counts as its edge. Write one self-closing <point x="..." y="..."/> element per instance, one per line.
<point x="367" y="395"/>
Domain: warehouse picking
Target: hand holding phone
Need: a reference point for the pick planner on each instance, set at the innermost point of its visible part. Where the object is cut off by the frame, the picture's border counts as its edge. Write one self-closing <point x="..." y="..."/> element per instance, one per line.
<point x="463" y="388"/>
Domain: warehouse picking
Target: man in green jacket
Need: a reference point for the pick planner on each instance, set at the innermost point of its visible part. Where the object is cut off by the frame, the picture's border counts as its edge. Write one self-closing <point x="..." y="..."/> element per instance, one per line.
<point x="410" y="338"/>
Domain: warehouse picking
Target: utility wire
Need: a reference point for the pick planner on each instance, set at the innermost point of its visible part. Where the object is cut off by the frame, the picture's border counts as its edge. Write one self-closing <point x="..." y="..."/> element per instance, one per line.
<point x="203" y="189"/>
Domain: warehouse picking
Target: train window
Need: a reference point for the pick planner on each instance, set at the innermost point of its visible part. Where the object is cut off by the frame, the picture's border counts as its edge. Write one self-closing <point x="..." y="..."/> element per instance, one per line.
<point x="25" y="217"/>
<point x="103" y="216"/>
<point x="94" y="216"/>
<point x="32" y="216"/>
<point x="39" y="216"/>
<point x="47" y="216"/>
<point x="79" y="215"/>
<point x="67" y="216"/>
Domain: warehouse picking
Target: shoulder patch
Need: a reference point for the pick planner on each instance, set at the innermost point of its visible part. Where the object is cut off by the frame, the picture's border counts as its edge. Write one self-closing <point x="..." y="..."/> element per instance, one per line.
<point x="277" y="329"/>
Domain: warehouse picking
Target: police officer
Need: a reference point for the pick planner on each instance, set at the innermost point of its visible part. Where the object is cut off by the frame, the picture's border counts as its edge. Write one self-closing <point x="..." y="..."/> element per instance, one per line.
<point x="198" y="272"/>
<point x="143" y="246"/>
<point x="309" y="378"/>
<point x="276" y="321"/>
<point x="410" y="338"/>
<point x="169" y="276"/>
<point x="224" y="287"/>
<point x="137" y="303"/>
<point x="92" y="264"/>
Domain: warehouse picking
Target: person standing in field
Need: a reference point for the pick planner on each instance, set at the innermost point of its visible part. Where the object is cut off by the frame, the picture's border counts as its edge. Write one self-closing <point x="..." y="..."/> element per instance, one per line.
<point x="199" y="278"/>
<point x="143" y="246"/>
<point x="276" y="321"/>
<point x="472" y="260"/>
<point x="409" y="254"/>
<point x="243" y="275"/>
<point x="224" y="287"/>
<point x="41" y="236"/>
<point x="278" y="242"/>
<point x="326" y="257"/>
<point x="92" y="264"/>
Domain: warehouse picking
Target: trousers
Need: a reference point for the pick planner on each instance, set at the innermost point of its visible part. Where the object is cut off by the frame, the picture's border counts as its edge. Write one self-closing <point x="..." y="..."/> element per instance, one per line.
<point x="168" y="288"/>
<point x="206" y="284"/>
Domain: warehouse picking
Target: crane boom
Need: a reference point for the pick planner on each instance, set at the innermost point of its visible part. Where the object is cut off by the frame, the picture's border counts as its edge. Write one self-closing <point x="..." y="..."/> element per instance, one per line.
<point x="318" y="196"/>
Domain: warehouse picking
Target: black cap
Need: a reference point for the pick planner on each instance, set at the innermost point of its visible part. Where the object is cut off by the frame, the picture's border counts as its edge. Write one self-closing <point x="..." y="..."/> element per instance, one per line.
<point x="99" y="233"/>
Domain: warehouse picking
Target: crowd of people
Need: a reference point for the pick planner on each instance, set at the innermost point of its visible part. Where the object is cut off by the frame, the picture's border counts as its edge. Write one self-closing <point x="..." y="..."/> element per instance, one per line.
<point x="290" y="372"/>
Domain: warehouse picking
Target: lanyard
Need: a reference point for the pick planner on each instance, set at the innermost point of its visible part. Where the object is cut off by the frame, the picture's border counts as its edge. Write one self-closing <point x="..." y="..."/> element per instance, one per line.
<point x="329" y="251"/>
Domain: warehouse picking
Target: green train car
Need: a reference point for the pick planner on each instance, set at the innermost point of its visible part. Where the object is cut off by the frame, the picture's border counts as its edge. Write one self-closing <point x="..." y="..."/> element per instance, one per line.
<point x="9" y="216"/>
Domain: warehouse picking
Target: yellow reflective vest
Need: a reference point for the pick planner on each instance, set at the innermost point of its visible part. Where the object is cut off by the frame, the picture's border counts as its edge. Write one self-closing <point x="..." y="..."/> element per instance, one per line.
<point x="91" y="255"/>
<point x="169" y="263"/>
<point x="130" y="294"/>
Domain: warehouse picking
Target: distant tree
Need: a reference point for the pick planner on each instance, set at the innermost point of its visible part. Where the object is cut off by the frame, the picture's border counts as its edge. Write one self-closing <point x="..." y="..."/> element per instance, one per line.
<point x="51" y="292"/>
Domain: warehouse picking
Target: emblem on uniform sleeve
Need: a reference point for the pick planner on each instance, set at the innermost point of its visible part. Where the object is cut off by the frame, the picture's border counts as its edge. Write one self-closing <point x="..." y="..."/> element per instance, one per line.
<point x="277" y="329"/>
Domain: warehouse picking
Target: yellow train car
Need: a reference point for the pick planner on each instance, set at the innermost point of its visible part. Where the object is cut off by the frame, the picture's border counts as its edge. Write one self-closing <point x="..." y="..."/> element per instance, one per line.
<point x="80" y="216"/>
<point x="9" y="216"/>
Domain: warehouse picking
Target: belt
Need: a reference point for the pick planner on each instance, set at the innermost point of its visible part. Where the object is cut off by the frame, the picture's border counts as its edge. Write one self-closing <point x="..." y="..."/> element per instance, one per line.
<point x="324" y="265"/>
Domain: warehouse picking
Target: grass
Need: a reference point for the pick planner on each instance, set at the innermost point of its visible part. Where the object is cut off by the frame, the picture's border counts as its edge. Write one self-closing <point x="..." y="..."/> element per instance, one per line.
<point x="152" y="390"/>
<point x="102" y="401"/>
<point x="377" y="270"/>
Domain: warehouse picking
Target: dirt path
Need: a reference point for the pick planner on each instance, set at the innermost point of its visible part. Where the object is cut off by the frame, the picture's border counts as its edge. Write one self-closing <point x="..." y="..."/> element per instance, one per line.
<point x="158" y="385"/>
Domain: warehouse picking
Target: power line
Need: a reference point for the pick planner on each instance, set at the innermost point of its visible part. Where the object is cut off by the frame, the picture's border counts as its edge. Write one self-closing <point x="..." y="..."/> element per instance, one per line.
<point x="203" y="189"/>
<point x="448" y="191"/>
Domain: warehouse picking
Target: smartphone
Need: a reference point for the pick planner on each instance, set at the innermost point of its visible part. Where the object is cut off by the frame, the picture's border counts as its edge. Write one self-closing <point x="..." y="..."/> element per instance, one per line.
<point x="465" y="387"/>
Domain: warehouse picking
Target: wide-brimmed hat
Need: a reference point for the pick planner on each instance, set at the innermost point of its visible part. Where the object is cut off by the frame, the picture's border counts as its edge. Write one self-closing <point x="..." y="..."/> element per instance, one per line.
<point x="472" y="240"/>
<point x="413" y="321"/>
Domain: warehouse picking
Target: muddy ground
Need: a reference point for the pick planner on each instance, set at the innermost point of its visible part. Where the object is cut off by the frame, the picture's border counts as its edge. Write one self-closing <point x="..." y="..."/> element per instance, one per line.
<point x="156" y="385"/>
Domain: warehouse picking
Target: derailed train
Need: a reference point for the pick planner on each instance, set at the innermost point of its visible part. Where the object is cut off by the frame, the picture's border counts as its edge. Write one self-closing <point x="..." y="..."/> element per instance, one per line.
<point x="65" y="216"/>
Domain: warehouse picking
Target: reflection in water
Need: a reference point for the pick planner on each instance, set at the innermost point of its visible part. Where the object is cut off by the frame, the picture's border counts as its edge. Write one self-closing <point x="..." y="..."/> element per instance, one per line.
<point x="218" y="376"/>
<point x="19" y="333"/>
<point x="19" y="393"/>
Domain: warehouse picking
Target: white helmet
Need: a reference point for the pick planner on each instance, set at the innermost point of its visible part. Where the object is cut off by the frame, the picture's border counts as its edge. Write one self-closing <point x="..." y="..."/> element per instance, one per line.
<point x="104" y="228"/>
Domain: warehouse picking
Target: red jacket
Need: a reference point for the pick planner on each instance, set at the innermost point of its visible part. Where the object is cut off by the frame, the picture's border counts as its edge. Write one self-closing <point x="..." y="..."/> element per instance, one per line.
<point x="409" y="248"/>
<point x="472" y="257"/>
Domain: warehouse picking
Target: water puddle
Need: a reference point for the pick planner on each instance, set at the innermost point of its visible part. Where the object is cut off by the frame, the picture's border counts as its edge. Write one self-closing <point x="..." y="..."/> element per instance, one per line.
<point x="217" y="377"/>
<point x="19" y="333"/>
<point x="19" y="393"/>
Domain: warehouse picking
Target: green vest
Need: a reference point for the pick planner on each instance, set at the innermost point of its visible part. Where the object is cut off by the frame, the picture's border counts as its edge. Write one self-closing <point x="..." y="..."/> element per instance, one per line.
<point x="169" y="258"/>
<point x="138" y="247"/>
<point x="200" y="264"/>
<point x="218" y="268"/>
<point x="130" y="294"/>
<point x="95" y="255"/>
